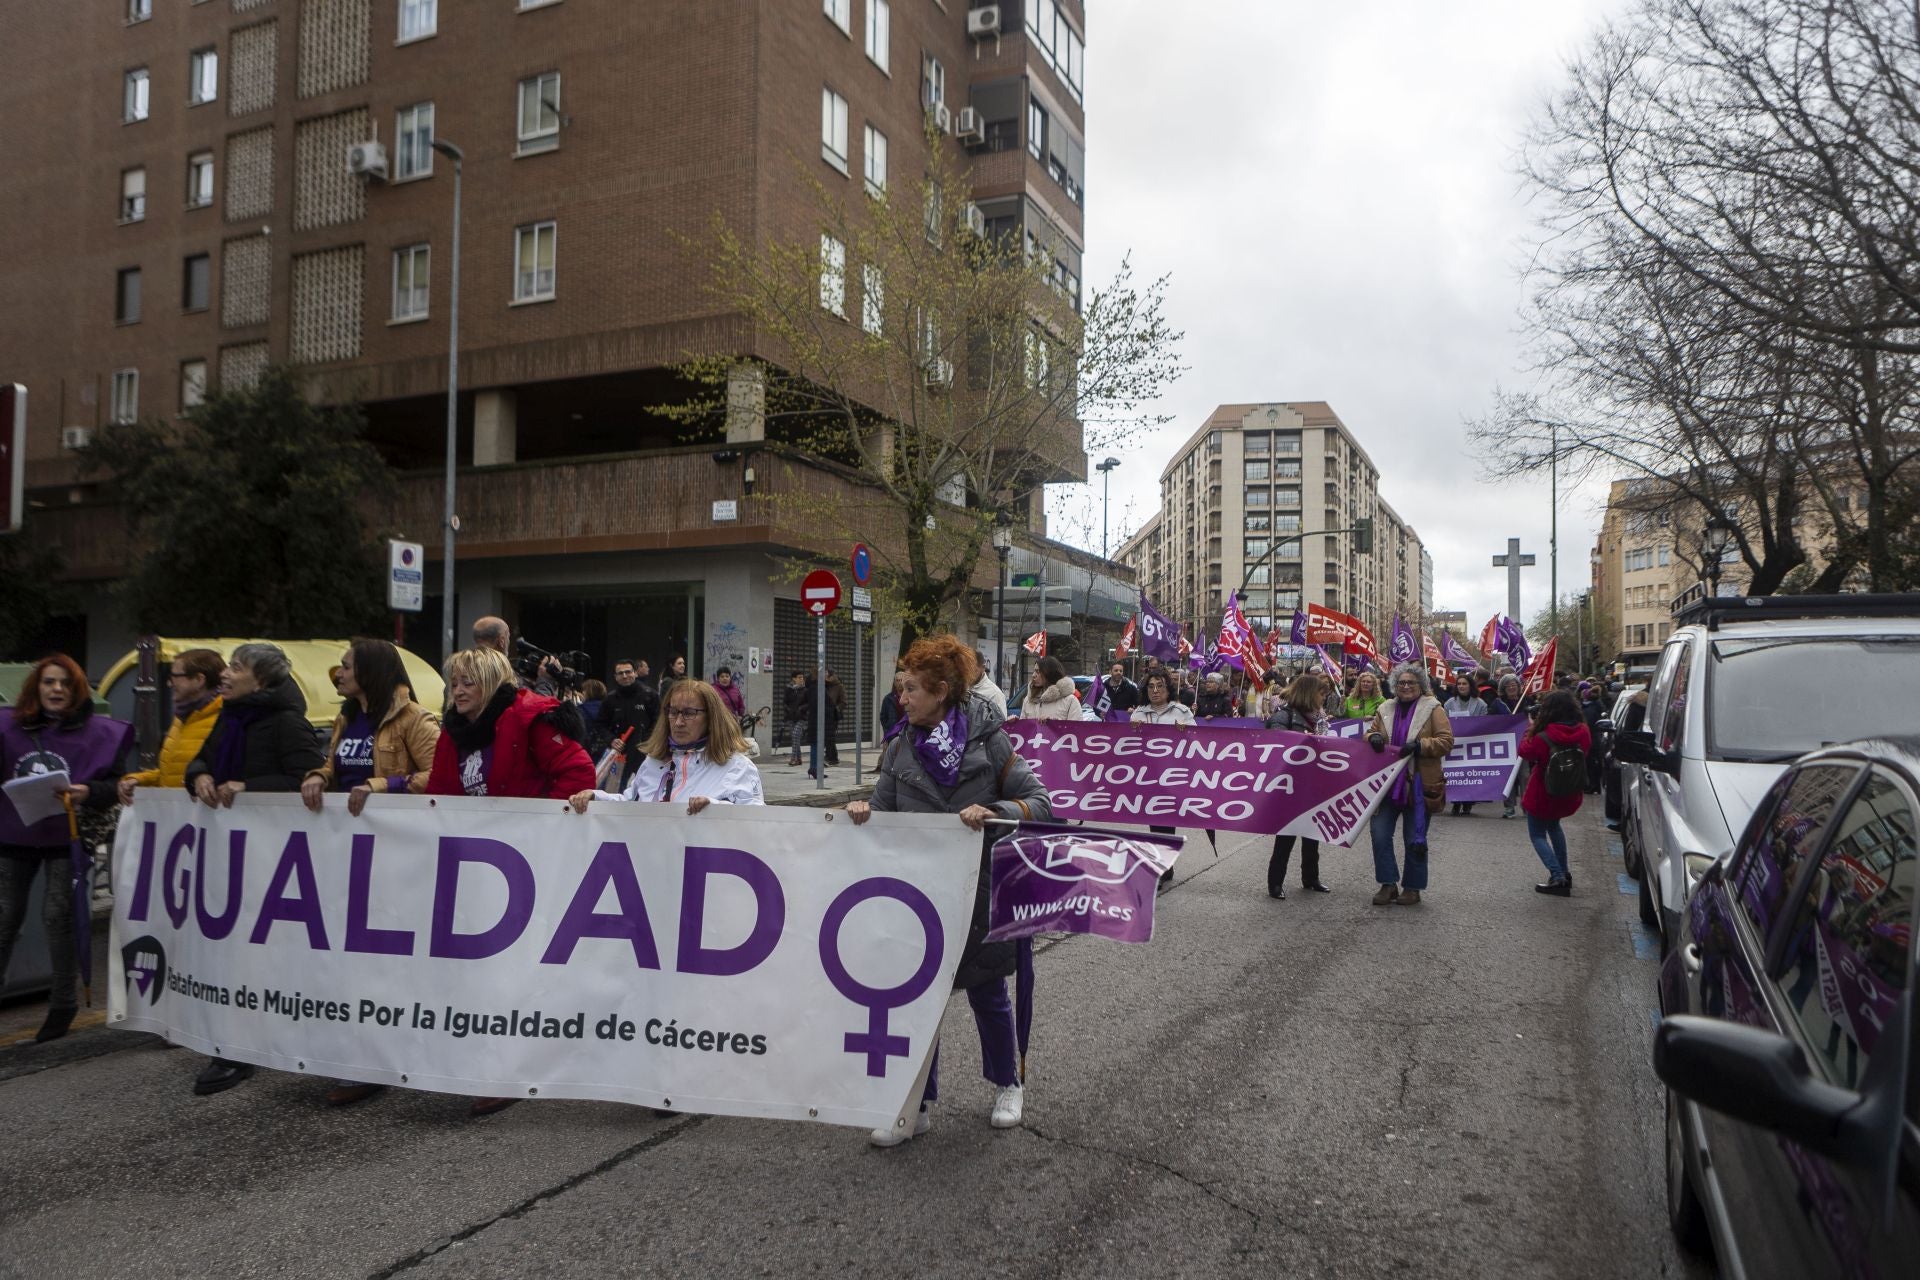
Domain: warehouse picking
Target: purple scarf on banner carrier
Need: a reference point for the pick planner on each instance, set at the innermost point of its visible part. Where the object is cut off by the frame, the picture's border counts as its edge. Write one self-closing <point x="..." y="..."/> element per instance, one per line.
<point x="1407" y="791"/>
<point x="1053" y="878"/>
<point x="941" y="748"/>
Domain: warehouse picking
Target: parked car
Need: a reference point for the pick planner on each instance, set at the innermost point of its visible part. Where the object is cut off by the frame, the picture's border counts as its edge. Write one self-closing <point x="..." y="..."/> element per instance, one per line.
<point x="1625" y="714"/>
<point x="1789" y="1043"/>
<point x="1743" y="687"/>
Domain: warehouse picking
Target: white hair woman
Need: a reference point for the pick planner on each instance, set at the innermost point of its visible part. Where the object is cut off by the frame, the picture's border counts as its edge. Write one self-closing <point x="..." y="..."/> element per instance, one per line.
<point x="1415" y="727"/>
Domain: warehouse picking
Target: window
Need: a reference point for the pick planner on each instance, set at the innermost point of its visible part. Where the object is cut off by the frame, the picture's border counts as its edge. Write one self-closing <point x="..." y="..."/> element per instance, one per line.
<point x="419" y="18"/>
<point x="1286" y="498"/>
<point x="126" y="296"/>
<point x="1256" y="472"/>
<point x="1678" y="661"/>
<point x="873" y="299"/>
<point x="833" y="275"/>
<point x="1036" y="130"/>
<point x="876" y="161"/>
<point x="1798" y="811"/>
<point x="413" y="142"/>
<point x="1258" y="498"/>
<point x="193" y="384"/>
<point x="199" y="179"/>
<point x="139" y="10"/>
<point x="410" y="267"/>
<point x="1039" y="360"/>
<point x="533" y="254"/>
<point x="879" y="31"/>
<point x="203" y="76"/>
<point x="539" y="113"/>
<point x="1286" y="470"/>
<point x="134" y="103"/>
<point x="833" y="129"/>
<point x="1286" y="524"/>
<point x="933" y="82"/>
<point x="133" y="195"/>
<point x="1259" y="524"/>
<point x="1664" y="556"/>
<point x="126" y="395"/>
<point x="1257" y="548"/>
<point x="930" y="212"/>
<point x="1055" y="37"/>
<point x="840" y="13"/>
<point x="196" y="280"/>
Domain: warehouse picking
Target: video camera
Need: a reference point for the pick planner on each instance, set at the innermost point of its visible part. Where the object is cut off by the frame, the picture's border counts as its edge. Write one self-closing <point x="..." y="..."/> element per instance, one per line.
<point x="566" y="669"/>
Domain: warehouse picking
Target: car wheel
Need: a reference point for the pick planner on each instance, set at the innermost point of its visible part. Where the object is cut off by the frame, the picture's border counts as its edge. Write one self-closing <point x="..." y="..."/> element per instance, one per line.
<point x="1630" y="851"/>
<point x="1649" y="914"/>
<point x="1685" y="1217"/>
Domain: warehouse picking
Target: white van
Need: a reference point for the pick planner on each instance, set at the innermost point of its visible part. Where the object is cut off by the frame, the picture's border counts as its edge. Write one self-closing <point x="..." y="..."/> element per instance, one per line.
<point x="1744" y="686"/>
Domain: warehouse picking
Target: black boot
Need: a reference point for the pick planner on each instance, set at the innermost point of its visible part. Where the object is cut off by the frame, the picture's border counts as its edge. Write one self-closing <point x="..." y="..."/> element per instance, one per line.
<point x="58" y="1020"/>
<point x="220" y="1074"/>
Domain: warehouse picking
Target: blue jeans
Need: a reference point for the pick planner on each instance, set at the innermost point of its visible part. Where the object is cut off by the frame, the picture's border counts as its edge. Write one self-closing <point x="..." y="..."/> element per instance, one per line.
<point x="1386" y="869"/>
<point x="1550" y="842"/>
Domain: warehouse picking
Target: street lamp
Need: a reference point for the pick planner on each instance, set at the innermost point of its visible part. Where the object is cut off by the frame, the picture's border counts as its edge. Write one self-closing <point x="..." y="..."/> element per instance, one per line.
<point x="1714" y="540"/>
<point x="1002" y="544"/>
<point x="1105" y="479"/>
<point x="451" y="522"/>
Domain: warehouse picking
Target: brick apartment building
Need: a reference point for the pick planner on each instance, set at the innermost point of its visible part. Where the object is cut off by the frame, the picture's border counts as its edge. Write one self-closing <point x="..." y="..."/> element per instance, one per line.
<point x="1253" y="475"/>
<point x="182" y="213"/>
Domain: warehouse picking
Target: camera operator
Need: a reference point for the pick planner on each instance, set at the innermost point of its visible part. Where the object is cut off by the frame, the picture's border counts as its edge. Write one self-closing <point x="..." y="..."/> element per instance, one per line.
<point x="630" y="704"/>
<point x="552" y="675"/>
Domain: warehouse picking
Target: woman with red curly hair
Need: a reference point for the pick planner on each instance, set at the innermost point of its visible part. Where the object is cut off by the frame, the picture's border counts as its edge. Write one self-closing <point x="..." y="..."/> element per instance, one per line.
<point x="51" y="728"/>
<point x="948" y="754"/>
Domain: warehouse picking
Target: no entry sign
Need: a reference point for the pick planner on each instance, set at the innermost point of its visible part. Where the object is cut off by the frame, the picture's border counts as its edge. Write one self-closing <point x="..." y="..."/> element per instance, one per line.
<point x="820" y="592"/>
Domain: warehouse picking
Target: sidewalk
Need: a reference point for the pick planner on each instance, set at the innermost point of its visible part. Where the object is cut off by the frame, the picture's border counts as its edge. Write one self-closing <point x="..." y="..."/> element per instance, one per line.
<point x="789" y="784"/>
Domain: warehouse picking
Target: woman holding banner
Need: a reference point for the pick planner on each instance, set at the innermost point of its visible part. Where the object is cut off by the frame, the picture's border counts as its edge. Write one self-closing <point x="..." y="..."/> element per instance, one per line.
<point x="1301" y="710"/>
<point x="1466" y="701"/>
<point x="1415" y="727"/>
<point x="696" y="753"/>
<point x="1050" y="693"/>
<point x="949" y="755"/>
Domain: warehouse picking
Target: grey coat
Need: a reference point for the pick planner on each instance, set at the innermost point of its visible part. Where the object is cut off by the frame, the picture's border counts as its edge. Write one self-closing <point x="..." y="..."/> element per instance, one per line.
<point x="990" y="775"/>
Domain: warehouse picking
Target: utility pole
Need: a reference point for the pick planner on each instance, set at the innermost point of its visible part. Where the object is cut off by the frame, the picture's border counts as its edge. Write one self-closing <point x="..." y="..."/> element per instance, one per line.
<point x="1553" y="535"/>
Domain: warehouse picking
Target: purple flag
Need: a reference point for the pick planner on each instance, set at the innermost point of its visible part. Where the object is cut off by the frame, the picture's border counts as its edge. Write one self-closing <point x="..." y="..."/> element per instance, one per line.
<point x="1269" y="781"/>
<point x="1454" y="652"/>
<point x="1299" y="633"/>
<point x="1159" y="636"/>
<point x="1403" y="647"/>
<point x="1053" y="878"/>
<point x="1510" y="638"/>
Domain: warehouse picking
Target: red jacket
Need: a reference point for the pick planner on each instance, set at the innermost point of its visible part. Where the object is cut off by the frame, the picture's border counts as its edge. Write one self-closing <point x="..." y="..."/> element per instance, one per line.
<point x="1536" y="802"/>
<point x="532" y="758"/>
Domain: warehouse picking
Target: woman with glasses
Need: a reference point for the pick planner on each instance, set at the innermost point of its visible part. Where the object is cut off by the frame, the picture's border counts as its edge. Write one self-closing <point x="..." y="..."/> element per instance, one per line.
<point x="193" y="680"/>
<point x="696" y="755"/>
<point x="1416" y="728"/>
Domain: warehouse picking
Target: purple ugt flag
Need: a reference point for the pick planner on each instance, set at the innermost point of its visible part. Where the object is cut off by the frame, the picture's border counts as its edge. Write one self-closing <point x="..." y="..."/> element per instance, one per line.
<point x="1052" y="878"/>
<point x="1510" y="638"/>
<point x="1299" y="633"/>
<point x="1403" y="647"/>
<point x="1454" y="652"/>
<point x="1159" y="635"/>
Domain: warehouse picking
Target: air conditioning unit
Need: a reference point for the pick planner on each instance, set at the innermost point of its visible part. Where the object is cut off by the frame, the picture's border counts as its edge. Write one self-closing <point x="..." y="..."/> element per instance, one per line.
<point x="983" y="22"/>
<point x="942" y="118"/>
<point x="75" y="437"/>
<point x="974" y="220"/>
<point x="368" y="160"/>
<point x="970" y="127"/>
<point x="939" y="373"/>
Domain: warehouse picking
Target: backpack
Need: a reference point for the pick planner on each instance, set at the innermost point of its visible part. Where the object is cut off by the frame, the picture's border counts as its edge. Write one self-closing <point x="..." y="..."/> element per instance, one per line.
<point x="1566" y="772"/>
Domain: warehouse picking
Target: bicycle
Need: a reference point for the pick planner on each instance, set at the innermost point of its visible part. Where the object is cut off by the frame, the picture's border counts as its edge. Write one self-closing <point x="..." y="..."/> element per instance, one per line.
<point x="749" y="724"/>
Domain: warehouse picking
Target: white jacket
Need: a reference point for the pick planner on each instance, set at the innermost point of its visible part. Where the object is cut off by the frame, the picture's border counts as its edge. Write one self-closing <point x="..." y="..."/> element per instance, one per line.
<point x="1173" y="713"/>
<point x="692" y="774"/>
<point x="1057" y="701"/>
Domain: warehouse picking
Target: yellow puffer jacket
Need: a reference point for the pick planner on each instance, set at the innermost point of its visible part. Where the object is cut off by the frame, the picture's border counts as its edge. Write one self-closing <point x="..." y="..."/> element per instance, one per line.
<point x="403" y="747"/>
<point x="183" y="743"/>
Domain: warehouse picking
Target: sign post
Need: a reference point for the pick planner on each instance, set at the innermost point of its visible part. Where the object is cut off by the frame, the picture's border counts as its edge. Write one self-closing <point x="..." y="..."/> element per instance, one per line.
<point x="862" y="565"/>
<point x="820" y="596"/>
<point x="406" y="582"/>
<point x="13" y="456"/>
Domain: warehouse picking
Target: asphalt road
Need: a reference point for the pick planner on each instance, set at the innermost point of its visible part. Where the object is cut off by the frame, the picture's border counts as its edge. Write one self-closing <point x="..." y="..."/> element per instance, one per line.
<point x="1314" y="1087"/>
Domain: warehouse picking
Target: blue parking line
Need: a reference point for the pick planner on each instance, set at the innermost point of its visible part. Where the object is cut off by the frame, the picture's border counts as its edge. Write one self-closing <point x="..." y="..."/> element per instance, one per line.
<point x="1655" y="1015"/>
<point x="1614" y="846"/>
<point x="1646" y="943"/>
<point x="1628" y="885"/>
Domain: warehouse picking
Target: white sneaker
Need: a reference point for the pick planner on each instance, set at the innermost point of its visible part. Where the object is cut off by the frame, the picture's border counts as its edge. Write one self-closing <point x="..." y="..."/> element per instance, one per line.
<point x="893" y="1137"/>
<point x="1006" y="1107"/>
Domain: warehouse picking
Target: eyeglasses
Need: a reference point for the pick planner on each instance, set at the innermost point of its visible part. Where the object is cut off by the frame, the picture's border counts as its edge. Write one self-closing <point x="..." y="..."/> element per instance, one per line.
<point x="179" y="675"/>
<point x="685" y="713"/>
<point x="1406" y="684"/>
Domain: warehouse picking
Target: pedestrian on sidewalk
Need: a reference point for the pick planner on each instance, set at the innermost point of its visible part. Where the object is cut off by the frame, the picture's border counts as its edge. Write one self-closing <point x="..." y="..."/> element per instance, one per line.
<point x="799" y="709"/>
<point x="1416" y="728"/>
<point x="951" y="755"/>
<point x="1556" y="744"/>
<point x="1303" y="710"/>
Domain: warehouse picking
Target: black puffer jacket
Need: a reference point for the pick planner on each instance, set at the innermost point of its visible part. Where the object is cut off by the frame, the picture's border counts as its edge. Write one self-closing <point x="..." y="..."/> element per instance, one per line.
<point x="281" y="746"/>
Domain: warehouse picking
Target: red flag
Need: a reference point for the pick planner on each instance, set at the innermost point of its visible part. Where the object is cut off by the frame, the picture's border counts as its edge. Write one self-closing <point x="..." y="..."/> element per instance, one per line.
<point x="1186" y="647"/>
<point x="1036" y="644"/>
<point x="1330" y="626"/>
<point x="1539" y="673"/>
<point x="1488" y="634"/>
<point x="1125" y="646"/>
<point x="1436" y="665"/>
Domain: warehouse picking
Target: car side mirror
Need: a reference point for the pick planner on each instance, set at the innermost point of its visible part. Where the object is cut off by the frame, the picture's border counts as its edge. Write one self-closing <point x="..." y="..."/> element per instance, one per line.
<point x="1603" y="726"/>
<point x="1636" y="746"/>
<point x="1761" y="1079"/>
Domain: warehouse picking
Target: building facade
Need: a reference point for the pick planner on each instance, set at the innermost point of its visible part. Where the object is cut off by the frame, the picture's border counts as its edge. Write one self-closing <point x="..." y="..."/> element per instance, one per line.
<point x="274" y="162"/>
<point x="1247" y="499"/>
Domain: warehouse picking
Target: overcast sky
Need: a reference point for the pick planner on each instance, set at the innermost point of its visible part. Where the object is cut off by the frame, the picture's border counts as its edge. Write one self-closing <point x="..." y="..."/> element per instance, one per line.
<point x="1332" y="189"/>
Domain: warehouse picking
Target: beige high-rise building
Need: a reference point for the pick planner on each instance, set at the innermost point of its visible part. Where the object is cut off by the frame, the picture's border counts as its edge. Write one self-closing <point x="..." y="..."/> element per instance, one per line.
<point x="1251" y="476"/>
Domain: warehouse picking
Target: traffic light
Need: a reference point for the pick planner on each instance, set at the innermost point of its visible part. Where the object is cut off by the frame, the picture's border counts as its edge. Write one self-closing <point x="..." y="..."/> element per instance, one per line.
<point x="1363" y="535"/>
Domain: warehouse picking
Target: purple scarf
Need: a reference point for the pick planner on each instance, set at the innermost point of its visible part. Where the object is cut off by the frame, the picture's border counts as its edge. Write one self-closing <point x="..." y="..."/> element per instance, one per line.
<point x="941" y="748"/>
<point x="230" y="752"/>
<point x="1408" y="792"/>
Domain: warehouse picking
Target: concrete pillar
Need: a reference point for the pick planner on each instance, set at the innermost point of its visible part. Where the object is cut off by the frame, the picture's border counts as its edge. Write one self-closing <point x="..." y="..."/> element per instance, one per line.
<point x="496" y="429"/>
<point x="746" y="404"/>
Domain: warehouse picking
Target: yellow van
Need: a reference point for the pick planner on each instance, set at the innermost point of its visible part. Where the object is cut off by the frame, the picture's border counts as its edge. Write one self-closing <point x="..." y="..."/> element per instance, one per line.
<point x="312" y="661"/>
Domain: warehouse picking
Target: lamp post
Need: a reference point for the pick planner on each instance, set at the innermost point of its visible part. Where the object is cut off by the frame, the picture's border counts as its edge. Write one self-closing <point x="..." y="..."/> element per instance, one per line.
<point x="1002" y="544"/>
<point x="1106" y="478"/>
<point x="1713" y="545"/>
<point x="450" y="521"/>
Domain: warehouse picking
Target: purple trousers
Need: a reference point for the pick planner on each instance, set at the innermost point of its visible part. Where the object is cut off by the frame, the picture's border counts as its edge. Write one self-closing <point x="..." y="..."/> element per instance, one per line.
<point x="993" y="1015"/>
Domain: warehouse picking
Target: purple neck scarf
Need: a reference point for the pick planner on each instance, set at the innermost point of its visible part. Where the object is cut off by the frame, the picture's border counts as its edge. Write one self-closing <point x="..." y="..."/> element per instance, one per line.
<point x="942" y="747"/>
<point x="1403" y="787"/>
<point x="230" y="752"/>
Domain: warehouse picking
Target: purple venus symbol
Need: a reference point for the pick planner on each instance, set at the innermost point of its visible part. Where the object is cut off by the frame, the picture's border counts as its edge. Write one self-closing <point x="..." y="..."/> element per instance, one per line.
<point x="875" y="1043"/>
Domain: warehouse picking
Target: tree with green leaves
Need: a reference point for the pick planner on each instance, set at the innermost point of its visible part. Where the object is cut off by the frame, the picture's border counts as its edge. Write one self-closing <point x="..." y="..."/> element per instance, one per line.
<point x="943" y="367"/>
<point x="30" y="593"/>
<point x="1589" y="633"/>
<point x="248" y="516"/>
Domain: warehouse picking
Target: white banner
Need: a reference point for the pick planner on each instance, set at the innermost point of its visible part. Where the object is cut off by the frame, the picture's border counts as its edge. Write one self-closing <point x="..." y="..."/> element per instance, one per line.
<point x="746" y="961"/>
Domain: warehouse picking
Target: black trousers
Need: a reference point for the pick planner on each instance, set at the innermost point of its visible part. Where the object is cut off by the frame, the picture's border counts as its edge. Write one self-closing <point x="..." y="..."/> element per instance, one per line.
<point x="1283" y="853"/>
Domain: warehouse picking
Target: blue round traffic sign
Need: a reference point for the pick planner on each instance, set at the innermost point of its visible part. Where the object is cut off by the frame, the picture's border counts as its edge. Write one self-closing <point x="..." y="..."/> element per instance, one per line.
<point x="862" y="563"/>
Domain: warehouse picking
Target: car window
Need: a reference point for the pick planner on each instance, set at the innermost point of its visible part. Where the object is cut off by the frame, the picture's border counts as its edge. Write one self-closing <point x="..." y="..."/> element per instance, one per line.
<point x="1853" y="941"/>
<point x="1673" y="720"/>
<point x="1789" y="832"/>
<point x="1658" y="685"/>
<point x="1762" y="706"/>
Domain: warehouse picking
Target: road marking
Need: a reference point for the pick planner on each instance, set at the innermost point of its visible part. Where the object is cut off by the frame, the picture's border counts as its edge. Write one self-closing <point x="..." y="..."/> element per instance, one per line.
<point x="1614" y="846"/>
<point x="1628" y="885"/>
<point x="1646" y="943"/>
<point x="1655" y="1015"/>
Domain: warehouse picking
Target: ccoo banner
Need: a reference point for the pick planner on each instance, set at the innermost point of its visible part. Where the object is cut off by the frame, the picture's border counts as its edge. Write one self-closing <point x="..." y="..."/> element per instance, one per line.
<point x="1485" y="755"/>
<point x="744" y="961"/>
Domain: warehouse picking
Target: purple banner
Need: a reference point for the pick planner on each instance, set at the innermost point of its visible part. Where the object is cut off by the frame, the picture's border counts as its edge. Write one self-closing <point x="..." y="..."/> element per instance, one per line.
<point x="1298" y="635"/>
<point x="1268" y="781"/>
<point x="1052" y="878"/>
<point x="1485" y="755"/>
<point x="1159" y="635"/>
